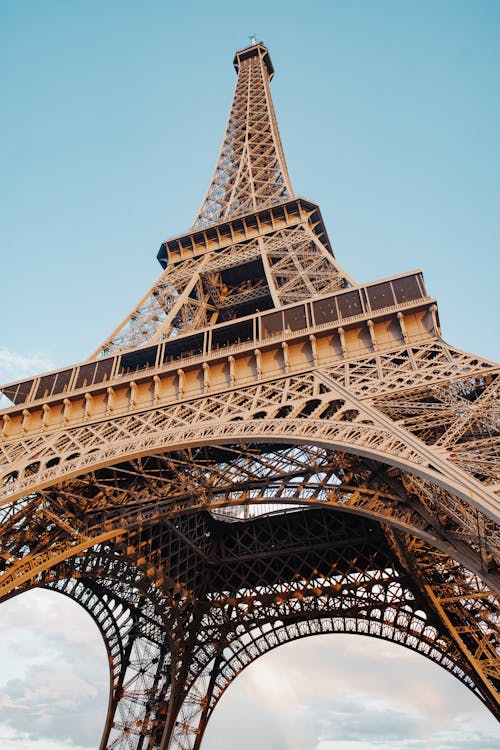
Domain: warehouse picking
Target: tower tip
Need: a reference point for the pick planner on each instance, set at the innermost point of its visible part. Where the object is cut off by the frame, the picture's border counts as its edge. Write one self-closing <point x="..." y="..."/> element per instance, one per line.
<point x="255" y="49"/>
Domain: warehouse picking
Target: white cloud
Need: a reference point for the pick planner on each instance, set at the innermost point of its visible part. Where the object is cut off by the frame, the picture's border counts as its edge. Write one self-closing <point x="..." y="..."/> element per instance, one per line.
<point x="12" y="740"/>
<point x="346" y="692"/>
<point x="56" y="616"/>
<point x="15" y="366"/>
<point x="54" y="681"/>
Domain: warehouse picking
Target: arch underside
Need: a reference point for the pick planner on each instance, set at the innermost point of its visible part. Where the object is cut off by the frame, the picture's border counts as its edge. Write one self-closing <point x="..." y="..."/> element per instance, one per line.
<point x="114" y="502"/>
<point x="234" y="588"/>
<point x="153" y="513"/>
<point x="394" y="457"/>
<point x="434" y="432"/>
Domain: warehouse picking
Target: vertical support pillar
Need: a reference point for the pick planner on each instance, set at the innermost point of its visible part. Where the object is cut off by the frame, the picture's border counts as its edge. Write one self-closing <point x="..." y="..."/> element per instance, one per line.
<point x="26" y="420"/>
<point x="258" y="362"/>
<point x="180" y="383"/>
<point x="5" y="426"/>
<point x="66" y="410"/>
<point x="206" y="376"/>
<point x="133" y="394"/>
<point x="402" y="325"/>
<point x="110" y="403"/>
<point x="46" y="416"/>
<point x="230" y="359"/>
<point x="437" y="328"/>
<point x="156" y="388"/>
<point x="286" y="358"/>
<point x="87" y="412"/>
<point x="314" y="349"/>
<point x="342" y="341"/>
<point x="373" y="339"/>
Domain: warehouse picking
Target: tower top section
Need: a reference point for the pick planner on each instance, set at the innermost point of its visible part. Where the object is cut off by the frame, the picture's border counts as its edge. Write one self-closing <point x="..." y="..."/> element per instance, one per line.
<point x="254" y="50"/>
<point x="251" y="171"/>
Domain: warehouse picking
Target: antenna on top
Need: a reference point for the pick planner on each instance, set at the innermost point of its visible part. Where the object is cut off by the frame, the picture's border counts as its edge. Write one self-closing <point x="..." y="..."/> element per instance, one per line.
<point x="253" y="39"/>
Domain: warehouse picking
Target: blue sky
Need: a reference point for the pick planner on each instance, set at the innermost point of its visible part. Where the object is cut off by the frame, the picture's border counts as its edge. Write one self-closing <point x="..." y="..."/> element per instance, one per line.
<point x="113" y="114"/>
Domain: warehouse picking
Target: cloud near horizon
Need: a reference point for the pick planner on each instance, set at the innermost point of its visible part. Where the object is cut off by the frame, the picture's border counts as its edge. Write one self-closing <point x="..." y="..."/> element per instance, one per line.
<point x="54" y="681"/>
<point x="330" y="692"/>
<point x="15" y="366"/>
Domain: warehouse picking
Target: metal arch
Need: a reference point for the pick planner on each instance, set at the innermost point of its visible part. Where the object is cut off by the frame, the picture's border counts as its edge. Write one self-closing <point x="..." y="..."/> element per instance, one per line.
<point x="342" y="436"/>
<point x="116" y="630"/>
<point x="119" y="630"/>
<point x="101" y="611"/>
<point x="271" y="610"/>
<point x="119" y="518"/>
<point x="202" y="701"/>
<point x="239" y="642"/>
<point x="357" y="428"/>
<point x="138" y="653"/>
<point x="465" y="548"/>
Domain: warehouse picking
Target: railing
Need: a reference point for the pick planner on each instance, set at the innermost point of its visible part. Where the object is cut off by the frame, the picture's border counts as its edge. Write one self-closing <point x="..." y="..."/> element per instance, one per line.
<point x="345" y="308"/>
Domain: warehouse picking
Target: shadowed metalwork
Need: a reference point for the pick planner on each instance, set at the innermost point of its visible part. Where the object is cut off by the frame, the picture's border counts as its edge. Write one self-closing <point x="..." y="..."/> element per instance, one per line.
<point x="262" y="451"/>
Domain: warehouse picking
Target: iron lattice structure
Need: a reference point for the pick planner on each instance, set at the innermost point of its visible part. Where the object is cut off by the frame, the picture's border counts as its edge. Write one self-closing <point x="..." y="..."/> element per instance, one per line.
<point x="262" y="451"/>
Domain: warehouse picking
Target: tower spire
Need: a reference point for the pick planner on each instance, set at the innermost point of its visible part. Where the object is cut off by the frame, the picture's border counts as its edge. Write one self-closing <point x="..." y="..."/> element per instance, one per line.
<point x="251" y="170"/>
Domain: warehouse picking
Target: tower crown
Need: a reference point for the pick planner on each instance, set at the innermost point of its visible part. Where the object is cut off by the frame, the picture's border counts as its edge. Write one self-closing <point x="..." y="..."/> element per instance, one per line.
<point x="254" y="50"/>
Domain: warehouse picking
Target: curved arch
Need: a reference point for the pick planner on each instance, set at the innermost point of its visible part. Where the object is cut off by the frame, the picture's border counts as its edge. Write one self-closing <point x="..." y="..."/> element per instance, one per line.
<point x="137" y="667"/>
<point x="378" y="602"/>
<point x="325" y="673"/>
<point x="30" y="568"/>
<point x="98" y="565"/>
<point x="380" y="504"/>
<point x="206" y="692"/>
<point x="115" y="625"/>
<point x="133" y="626"/>
<point x="391" y="446"/>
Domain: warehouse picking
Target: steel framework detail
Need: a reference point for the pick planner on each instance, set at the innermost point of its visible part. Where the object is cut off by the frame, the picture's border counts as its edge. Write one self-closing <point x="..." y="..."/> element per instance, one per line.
<point x="263" y="450"/>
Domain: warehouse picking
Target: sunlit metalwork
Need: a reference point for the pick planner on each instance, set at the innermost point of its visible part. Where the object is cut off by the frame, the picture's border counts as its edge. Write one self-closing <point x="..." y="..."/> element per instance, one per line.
<point x="262" y="451"/>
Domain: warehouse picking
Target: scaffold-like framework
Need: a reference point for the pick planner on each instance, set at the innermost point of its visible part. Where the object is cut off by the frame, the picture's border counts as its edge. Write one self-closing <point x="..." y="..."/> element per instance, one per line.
<point x="262" y="451"/>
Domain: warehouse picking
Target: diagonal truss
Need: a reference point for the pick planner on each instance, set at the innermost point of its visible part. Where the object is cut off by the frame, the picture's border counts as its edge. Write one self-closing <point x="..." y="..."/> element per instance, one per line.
<point x="251" y="170"/>
<point x="263" y="450"/>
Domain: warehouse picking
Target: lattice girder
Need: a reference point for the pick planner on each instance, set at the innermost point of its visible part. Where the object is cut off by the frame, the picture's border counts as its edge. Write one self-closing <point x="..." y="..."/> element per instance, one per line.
<point x="256" y="413"/>
<point x="316" y="572"/>
<point x="157" y="538"/>
<point x="235" y="651"/>
<point x="142" y="492"/>
<point x="256" y="378"/>
<point x="251" y="170"/>
<point x="212" y="280"/>
<point x="354" y="425"/>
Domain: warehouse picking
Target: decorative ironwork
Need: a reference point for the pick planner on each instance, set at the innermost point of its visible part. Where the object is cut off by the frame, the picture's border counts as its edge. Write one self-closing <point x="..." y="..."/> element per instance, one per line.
<point x="262" y="451"/>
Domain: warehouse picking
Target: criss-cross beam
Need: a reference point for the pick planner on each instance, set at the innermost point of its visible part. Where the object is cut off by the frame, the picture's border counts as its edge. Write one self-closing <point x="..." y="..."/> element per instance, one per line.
<point x="251" y="170"/>
<point x="241" y="588"/>
<point x="254" y="376"/>
<point x="272" y="576"/>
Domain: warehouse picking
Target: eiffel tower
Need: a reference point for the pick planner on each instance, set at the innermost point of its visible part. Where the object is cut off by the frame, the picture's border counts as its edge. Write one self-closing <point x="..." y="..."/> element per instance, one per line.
<point x="262" y="451"/>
